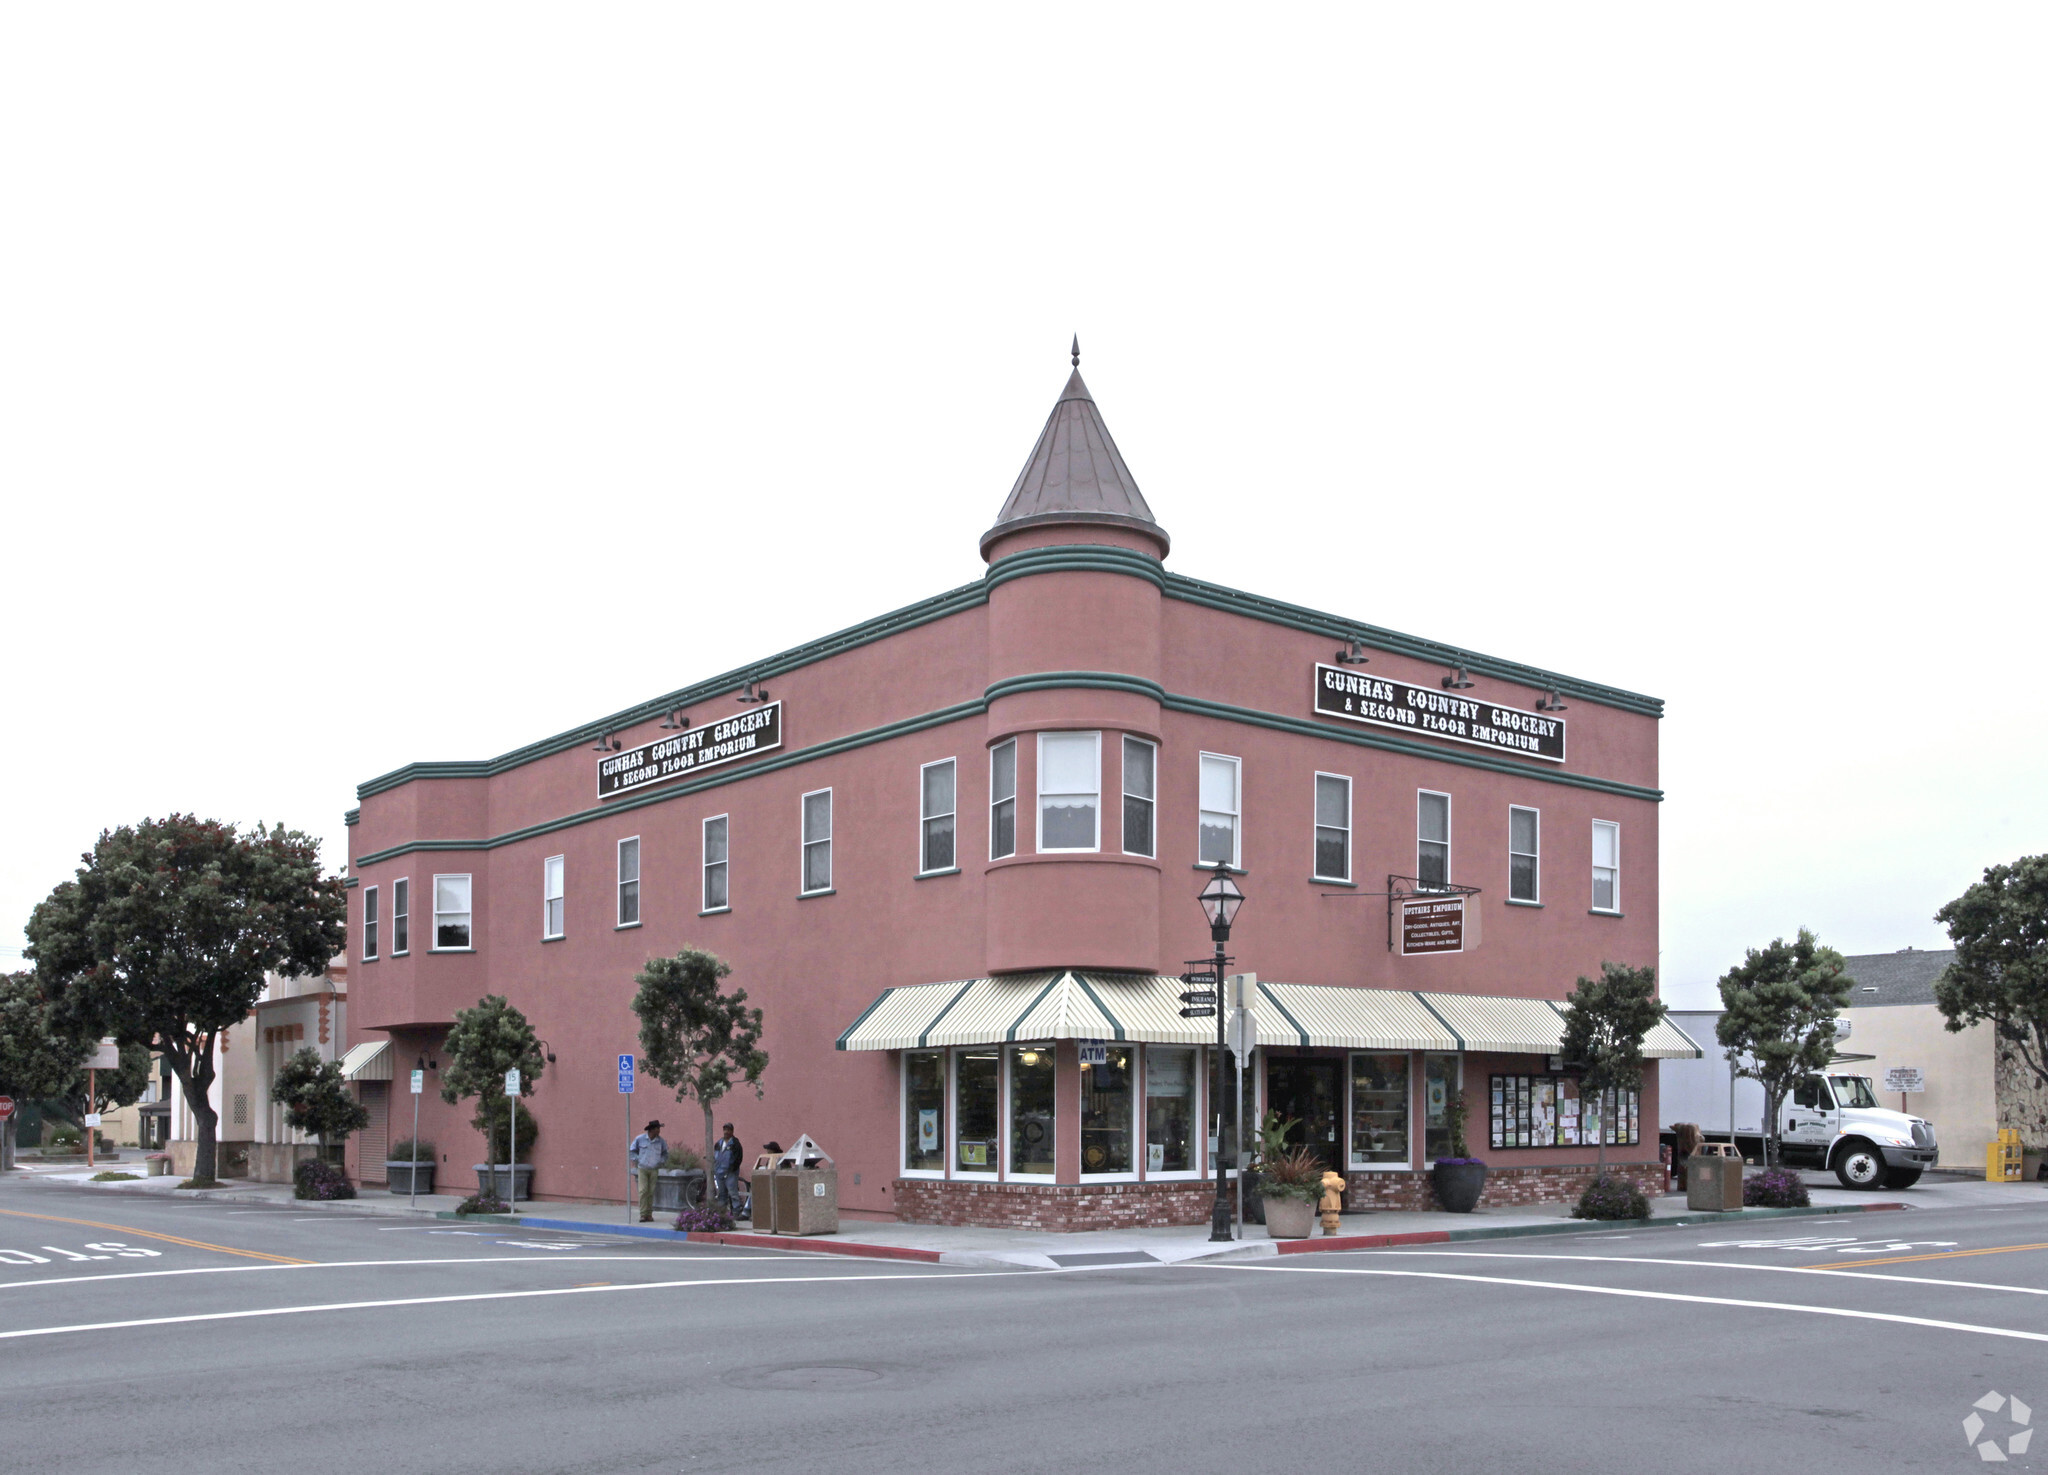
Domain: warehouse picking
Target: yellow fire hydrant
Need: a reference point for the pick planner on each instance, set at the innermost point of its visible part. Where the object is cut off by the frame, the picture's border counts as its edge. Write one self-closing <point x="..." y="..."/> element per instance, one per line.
<point x="1333" y="1201"/>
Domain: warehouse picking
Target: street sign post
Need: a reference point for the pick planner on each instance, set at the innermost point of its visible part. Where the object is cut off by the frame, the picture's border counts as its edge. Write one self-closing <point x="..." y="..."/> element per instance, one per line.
<point x="412" y="1183"/>
<point x="6" y="1133"/>
<point x="511" y="1138"/>
<point x="626" y="1095"/>
<point x="1904" y="1079"/>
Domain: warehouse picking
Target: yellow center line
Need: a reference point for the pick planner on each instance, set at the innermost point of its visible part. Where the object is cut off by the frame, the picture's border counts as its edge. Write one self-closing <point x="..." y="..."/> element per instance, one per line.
<point x="193" y="1244"/>
<point x="1936" y="1255"/>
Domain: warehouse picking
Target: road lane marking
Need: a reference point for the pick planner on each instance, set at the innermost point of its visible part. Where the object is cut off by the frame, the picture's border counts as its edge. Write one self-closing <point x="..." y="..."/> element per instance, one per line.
<point x="1586" y="1290"/>
<point x="654" y="1285"/>
<point x="707" y="1261"/>
<point x="192" y="1244"/>
<point x="1953" y="1254"/>
<point x="1827" y="1270"/>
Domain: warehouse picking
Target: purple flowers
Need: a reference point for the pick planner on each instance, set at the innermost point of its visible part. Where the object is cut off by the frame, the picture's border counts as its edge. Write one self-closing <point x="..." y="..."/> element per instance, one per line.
<point x="1775" y="1188"/>
<point x="714" y="1220"/>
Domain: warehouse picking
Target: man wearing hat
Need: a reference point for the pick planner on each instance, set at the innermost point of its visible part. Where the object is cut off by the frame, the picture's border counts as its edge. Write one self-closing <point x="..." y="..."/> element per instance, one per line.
<point x="645" y="1157"/>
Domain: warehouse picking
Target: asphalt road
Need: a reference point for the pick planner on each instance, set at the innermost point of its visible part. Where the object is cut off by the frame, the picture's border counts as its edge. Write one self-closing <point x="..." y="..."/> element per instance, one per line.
<point x="144" y="1335"/>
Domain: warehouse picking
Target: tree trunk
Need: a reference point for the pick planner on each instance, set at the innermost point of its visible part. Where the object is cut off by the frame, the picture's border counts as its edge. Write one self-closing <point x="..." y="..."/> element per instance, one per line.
<point x="1600" y="1138"/>
<point x="194" y="1070"/>
<point x="1770" y="1126"/>
<point x="710" y="1145"/>
<point x="7" y="1145"/>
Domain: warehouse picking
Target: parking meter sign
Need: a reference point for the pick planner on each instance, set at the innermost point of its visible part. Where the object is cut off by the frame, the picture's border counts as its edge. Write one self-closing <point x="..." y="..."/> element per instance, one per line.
<point x="625" y="1075"/>
<point x="419" y="1082"/>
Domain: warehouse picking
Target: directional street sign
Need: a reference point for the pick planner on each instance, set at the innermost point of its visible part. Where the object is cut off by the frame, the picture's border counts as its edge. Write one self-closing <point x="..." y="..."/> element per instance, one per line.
<point x="625" y="1075"/>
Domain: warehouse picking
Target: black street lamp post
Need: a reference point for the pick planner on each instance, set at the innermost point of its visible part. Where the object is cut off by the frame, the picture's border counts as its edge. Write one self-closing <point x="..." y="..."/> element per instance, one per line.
<point x="1220" y="900"/>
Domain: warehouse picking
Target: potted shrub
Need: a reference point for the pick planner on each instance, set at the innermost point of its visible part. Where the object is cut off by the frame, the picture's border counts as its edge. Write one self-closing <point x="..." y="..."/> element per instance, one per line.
<point x="1457" y="1179"/>
<point x="485" y="1043"/>
<point x="1290" y="1183"/>
<point x="409" y="1167"/>
<point x="680" y="1185"/>
<point x="496" y="1177"/>
<point x="159" y="1164"/>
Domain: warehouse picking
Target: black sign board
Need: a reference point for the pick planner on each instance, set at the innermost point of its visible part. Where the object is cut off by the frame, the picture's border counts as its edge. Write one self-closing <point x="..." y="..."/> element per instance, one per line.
<point x="1430" y="712"/>
<point x="686" y="752"/>
<point x="1432" y="924"/>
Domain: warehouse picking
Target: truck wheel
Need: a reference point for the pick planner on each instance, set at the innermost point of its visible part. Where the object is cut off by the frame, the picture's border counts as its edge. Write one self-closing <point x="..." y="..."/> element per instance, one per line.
<point x="1901" y="1177"/>
<point x="1859" y="1166"/>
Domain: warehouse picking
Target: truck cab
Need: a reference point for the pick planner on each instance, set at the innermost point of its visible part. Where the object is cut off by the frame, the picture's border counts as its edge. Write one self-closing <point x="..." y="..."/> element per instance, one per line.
<point x="1834" y="1121"/>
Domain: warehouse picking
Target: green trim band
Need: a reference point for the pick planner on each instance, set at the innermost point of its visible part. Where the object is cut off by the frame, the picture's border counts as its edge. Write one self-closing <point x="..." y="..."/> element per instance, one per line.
<point x="926" y="1037"/>
<point x="1273" y="999"/>
<point x="1096" y="999"/>
<point x="1086" y="680"/>
<point x="352" y="816"/>
<point x="1011" y="1034"/>
<point x="1443" y="1021"/>
<point x="1097" y="558"/>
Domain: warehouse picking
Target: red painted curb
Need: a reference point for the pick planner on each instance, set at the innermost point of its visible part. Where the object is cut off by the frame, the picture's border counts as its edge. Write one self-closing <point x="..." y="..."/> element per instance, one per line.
<point x="818" y="1246"/>
<point x="1362" y="1241"/>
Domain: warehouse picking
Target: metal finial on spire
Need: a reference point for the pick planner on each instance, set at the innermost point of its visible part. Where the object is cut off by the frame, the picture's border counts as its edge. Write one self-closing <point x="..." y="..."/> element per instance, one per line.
<point x="1077" y="350"/>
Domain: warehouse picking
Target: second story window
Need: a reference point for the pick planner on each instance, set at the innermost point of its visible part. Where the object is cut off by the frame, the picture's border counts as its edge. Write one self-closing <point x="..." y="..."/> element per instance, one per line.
<point x="717" y="862"/>
<point x="1432" y="838"/>
<point x="1141" y="764"/>
<point x="936" y="812"/>
<point x="818" y="841"/>
<point x="1525" y="831"/>
<point x="1219" y="835"/>
<point x="552" y="902"/>
<point x="1606" y="866"/>
<point x="1069" y="791"/>
<point x="401" y="918"/>
<point x="629" y="882"/>
<point x="1002" y="800"/>
<point x="451" y="913"/>
<point x="369" y="923"/>
<point x="1333" y="827"/>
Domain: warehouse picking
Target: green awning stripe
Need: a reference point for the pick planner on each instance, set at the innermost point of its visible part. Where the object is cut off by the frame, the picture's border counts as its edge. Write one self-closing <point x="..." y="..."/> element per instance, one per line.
<point x="1443" y="1021"/>
<point x="1274" y="999"/>
<point x="926" y="1037"/>
<point x="1096" y="999"/>
<point x="846" y="1033"/>
<point x="1012" y="1032"/>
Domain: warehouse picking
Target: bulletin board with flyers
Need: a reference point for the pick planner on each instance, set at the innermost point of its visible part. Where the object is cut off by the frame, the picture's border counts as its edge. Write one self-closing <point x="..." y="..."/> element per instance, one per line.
<point x="1553" y="1111"/>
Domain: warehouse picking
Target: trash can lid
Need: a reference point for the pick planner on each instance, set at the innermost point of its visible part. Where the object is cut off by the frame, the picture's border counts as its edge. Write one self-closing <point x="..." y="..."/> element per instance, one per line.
<point x="804" y="1153"/>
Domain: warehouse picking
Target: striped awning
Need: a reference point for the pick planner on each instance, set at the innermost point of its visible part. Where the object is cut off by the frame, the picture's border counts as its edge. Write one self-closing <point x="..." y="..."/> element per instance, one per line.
<point x="1499" y="1025"/>
<point x="1668" y="1042"/>
<point x="367" y="1062"/>
<point x="1350" y="1018"/>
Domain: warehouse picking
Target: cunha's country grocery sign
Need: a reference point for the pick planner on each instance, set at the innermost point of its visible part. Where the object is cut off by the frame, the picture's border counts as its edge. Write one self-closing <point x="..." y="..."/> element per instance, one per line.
<point x="1450" y="715"/>
<point x="693" y="748"/>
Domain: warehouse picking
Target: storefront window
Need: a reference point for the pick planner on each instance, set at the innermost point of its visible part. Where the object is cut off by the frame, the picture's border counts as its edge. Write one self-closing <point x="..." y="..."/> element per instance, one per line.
<point x="1439" y="1082"/>
<point x="1169" y="1110"/>
<point x="1379" y="1110"/>
<point x="1032" y="1114"/>
<point x="976" y="1112"/>
<point x="924" y="1111"/>
<point x="1106" y="1112"/>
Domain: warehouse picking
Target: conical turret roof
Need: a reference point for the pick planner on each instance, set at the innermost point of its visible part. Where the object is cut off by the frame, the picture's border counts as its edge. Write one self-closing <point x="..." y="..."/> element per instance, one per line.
<point x="1075" y="474"/>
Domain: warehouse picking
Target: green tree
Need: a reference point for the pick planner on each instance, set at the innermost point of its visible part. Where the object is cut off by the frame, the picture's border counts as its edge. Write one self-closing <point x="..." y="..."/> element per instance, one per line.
<point x="316" y="1099"/>
<point x="1779" y="1006"/>
<point x="2000" y="929"/>
<point x="1604" y="1025"/>
<point x="39" y="1054"/>
<point x="108" y="1090"/>
<point x="165" y="935"/>
<point x="694" y="1038"/>
<point x="486" y="1042"/>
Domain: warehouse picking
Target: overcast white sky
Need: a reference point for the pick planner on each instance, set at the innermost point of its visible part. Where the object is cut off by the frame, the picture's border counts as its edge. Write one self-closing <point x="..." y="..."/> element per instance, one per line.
<point x="381" y="383"/>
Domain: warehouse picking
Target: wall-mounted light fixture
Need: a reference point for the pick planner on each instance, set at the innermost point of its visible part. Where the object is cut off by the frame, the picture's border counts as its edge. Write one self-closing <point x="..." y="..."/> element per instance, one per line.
<point x="676" y="720"/>
<point x="751" y="695"/>
<point x="1456" y="679"/>
<point x="607" y="742"/>
<point x="1352" y="655"/>
<point x="1554" y="702"/>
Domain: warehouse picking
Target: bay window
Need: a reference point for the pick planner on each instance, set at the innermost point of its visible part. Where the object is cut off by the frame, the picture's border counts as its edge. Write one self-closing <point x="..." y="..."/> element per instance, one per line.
<point x="1002" y="800"/>
<point x="451" y="914"/>
<point x="1069" y="791"/>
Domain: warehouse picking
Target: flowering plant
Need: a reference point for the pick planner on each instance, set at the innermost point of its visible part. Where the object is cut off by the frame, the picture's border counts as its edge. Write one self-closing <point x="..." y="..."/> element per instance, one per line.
<point x="1608" y="1197"/>
<point x="318" y="1180"/>
<point x="714" y="1220"/>
<point x="1775" y="1188"/>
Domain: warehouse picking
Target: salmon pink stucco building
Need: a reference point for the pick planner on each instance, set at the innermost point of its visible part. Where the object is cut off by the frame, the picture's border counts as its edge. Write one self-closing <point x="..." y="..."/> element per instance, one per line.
<point x="953" y="854"/>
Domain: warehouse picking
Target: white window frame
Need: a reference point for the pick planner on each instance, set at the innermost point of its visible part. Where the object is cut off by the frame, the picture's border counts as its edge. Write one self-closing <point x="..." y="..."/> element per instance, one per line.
<point x="620" y="883"/>
<point x="805" y="842"/>
<point x="1236" y="815"/>
<point x="1009" y="1053"/>
<point x="996" y="800"/>
<point x="469" y="879"/>
<point x="1407" y="1164"/>
<point x="554" y="873"/>
<point x="1039" y="786"/>
<point x="371" y="921"/>
<point x="924" y="868"/>
<point x="903" y="1114"/>
<point x="995" y="1169"/>
<point x="1137" y="1170"/>
<point x="1199" y="1154"/>
<point x="1448" y="832"/>
<point x="1150" y="801"/>
<point x="1535" y="855"/>
<point x="1593" y="871"/>
<point x="705" y="908"/>
<point x="1316" y="826"/>
<point x="401" y="897"/>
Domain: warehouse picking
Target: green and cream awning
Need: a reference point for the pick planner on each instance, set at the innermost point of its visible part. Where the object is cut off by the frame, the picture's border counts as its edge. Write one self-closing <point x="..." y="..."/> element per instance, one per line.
<point x="370" y="1061"/>
<point x="1076" y="1005"/>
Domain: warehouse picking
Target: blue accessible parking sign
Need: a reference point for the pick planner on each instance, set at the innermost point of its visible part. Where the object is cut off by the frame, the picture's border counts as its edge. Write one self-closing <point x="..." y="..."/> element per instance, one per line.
<point x="625" y="1075"/>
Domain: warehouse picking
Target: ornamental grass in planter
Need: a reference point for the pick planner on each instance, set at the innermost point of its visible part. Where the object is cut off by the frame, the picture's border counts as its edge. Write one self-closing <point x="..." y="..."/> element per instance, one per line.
<point x="409" y="1167"/>
<point x="1290" y="1183"/>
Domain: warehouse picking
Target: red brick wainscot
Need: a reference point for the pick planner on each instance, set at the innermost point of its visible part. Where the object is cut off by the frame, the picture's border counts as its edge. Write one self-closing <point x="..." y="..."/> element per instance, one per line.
<point x="1061" y="1207"/>
<point x="1505" y="1187"/>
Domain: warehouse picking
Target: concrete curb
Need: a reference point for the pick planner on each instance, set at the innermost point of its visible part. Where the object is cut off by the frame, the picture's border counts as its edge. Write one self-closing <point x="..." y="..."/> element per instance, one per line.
<point x="1570" y="1226"/>
<point x="854" y="1248"/>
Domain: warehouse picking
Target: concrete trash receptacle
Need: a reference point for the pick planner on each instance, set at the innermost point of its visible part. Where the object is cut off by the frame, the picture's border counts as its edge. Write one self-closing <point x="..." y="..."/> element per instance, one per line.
<point x="762" y="1187"/>
<point x="1713" y="1178"/>
<point x="803" y="1192"/>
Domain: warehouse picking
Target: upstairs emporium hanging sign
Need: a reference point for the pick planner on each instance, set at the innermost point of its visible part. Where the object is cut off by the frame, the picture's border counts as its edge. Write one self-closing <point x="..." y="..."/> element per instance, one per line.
<point x="1384" y="702"/>
<point x="689" y="750"/>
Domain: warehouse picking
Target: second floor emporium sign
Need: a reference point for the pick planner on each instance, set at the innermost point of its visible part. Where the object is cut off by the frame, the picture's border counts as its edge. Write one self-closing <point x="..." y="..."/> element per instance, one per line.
<point x="1451" y="715"/>
<point x="724" y="741"/>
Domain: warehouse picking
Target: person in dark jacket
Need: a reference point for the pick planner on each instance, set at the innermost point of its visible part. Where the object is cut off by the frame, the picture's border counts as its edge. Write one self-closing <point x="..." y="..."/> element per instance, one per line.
<point x="725" y="1167"/>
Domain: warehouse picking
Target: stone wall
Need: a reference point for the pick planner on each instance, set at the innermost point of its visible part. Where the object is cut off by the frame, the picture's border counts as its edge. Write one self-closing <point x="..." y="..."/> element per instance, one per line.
<point x="1505" y="1187"/>
<point x="1059" y="1207"/>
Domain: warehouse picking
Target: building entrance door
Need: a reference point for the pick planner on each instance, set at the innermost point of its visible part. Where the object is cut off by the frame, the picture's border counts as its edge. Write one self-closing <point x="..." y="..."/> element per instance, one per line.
<point x="1310" y="1092"/>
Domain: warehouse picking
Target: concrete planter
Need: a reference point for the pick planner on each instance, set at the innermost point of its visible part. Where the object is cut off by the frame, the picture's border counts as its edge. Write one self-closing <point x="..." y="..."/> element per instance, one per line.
<point x="673" y="1185"/>
<point x="1458" y="1185"/>
<point x="409" y="1177"/>
<point x="497" y="1180"/>
<point x="1290" y="1218"/>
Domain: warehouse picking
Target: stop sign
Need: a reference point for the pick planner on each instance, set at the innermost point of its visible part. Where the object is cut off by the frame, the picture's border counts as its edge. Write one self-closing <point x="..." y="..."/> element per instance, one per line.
<point x="6" y="1107"/>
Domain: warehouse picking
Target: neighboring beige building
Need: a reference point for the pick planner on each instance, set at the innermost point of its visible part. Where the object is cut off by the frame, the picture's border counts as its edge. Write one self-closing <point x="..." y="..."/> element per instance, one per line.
<point x="1894" y="1021"/>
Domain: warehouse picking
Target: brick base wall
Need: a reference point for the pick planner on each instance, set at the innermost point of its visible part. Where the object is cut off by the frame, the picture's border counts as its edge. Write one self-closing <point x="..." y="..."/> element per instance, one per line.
<point x="1505" y="1187"/>
<point x="1060" y="1207"/>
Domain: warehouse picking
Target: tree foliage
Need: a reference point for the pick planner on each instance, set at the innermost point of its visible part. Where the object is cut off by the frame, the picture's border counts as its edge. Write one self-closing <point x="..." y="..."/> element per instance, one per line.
<point x="694" y="1038"/>
<point x="164" y="936"/>
<point x="1605" y="1021"/>
<point x="316" y="1099"/>
<point x="39" y="1053"/>
<point x="486" y="1042"/>
<point x="1779" y="1007"/>
<point x="2000" y="929"/>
